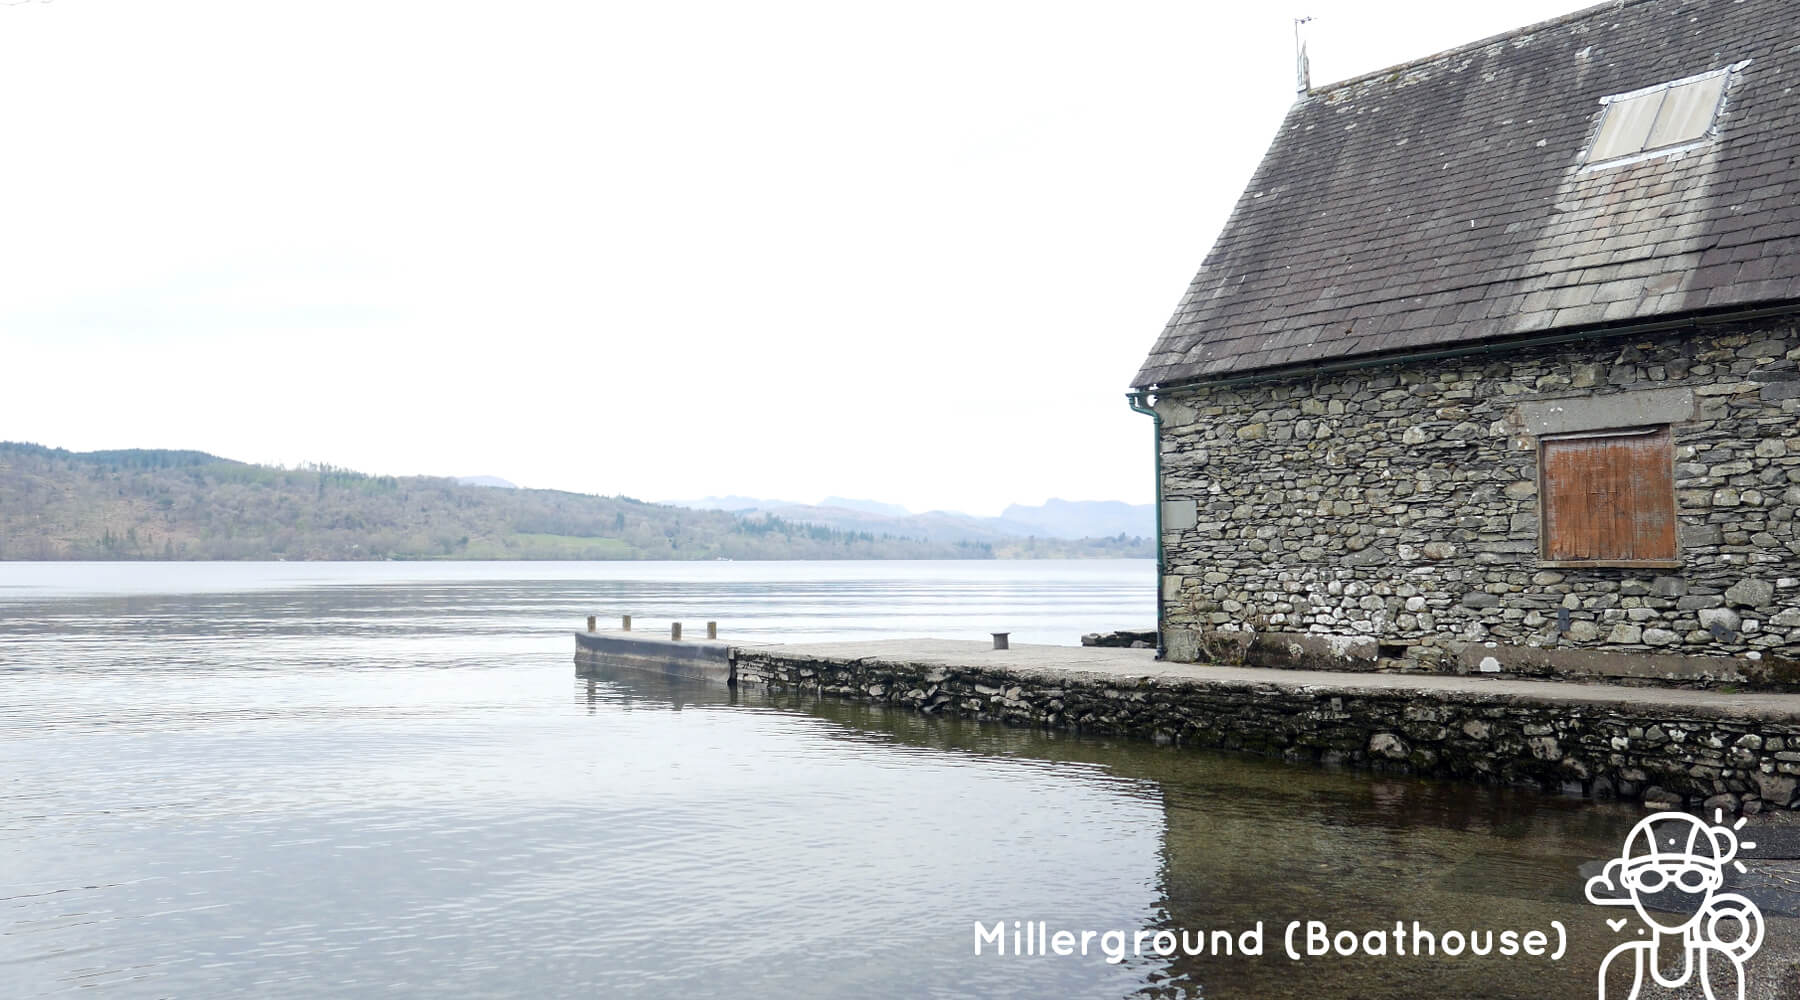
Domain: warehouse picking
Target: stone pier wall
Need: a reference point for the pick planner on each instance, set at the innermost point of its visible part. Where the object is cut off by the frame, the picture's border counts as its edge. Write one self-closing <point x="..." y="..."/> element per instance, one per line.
<point x="1668" y="756"/>
<point x="1390" y="515"/>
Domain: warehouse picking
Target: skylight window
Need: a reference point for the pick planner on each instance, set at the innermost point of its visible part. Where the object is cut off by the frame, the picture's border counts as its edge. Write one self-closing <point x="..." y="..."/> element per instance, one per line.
<point x="1657" y="118"/>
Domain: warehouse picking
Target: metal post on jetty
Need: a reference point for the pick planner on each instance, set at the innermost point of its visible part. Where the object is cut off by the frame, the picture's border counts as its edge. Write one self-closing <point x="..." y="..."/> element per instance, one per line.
<point x="598" y="649"/>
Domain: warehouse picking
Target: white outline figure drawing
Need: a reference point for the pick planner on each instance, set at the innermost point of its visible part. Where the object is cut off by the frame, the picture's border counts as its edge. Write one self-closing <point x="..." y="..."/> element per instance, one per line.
<point x="1679" y="860"/>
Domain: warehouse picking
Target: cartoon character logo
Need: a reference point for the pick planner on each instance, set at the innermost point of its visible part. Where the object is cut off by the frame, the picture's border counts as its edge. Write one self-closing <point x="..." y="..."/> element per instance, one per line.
<point x="1670" y="873"/>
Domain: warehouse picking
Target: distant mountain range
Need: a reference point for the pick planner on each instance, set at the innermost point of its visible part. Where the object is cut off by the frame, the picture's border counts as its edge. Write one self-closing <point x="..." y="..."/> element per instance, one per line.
<point x="1084" y="518"/>
<point x="161" y="504"/>
<point x="1064" y="519"/>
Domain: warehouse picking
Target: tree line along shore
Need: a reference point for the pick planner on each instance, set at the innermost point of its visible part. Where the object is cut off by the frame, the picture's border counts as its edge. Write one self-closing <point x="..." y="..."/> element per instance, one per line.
<point x="145" y="504"/>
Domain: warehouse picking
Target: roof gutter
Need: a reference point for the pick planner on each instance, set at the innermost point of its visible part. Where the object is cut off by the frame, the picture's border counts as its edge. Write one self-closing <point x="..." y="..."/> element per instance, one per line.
<point x="1139" y="402"/>
<point x="1483" y="348"/>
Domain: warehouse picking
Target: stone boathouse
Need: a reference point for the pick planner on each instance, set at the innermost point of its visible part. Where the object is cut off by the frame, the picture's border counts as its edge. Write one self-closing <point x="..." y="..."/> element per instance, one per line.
<point x="1496" y="365"/>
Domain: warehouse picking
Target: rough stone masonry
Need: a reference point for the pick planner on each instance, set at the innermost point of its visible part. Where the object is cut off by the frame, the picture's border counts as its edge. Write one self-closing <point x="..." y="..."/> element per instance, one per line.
<point x="1668" y="748"/>
<point x="1388" y="517"/>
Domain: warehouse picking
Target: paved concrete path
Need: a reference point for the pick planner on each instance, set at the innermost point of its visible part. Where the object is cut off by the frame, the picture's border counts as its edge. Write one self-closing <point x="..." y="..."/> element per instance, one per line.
<point x="1036" y="660"/>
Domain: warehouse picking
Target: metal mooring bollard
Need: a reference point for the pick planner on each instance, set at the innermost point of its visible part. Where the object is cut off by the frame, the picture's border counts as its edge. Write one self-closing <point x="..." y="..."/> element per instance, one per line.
<point x="675" y="631"/>
<point x="590" y="623"/>
<point x="712" y="630"/>
<point x="625" y="623"/>
<point x="1000" y="640"/>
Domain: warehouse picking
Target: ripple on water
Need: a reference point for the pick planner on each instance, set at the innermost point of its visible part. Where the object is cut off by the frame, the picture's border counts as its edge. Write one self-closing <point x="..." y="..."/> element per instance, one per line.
<point x="333" y="782"/>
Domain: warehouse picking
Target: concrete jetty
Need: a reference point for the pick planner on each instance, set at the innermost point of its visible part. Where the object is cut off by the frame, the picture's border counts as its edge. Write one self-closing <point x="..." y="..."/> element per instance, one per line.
<point x="1712" y="749"/>
<point x="694" y="659"/>
<point x="1046" y="662"/>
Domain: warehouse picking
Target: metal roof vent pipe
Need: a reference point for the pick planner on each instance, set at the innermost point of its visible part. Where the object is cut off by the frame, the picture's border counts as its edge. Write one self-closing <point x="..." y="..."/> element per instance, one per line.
<point x="1302" y="65"/>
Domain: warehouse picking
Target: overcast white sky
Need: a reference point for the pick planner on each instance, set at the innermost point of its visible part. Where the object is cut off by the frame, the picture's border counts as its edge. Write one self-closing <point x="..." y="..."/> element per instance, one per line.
<point x="907" y="251"/>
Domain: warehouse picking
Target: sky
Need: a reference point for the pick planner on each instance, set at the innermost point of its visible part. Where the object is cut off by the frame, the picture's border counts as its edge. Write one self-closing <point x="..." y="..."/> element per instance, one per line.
<point x="911" y="251"/>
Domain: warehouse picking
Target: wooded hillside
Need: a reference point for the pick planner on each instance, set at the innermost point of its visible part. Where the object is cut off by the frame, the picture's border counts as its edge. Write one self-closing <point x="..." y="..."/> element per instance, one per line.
<point x="156" y="504"/>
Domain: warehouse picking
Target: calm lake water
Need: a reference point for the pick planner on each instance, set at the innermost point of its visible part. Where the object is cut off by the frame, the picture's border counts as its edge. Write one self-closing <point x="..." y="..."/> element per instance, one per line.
<point x="344" y="780"/>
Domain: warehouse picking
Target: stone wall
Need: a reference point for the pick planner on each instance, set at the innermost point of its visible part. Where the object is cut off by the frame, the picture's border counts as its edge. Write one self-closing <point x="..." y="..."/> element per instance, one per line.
<point x="1389" y="517"/>
<point x="1692" y="756"/>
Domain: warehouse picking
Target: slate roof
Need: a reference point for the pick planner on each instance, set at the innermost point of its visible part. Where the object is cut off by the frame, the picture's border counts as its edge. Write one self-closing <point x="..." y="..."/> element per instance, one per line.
<point x="1445" y="201"/>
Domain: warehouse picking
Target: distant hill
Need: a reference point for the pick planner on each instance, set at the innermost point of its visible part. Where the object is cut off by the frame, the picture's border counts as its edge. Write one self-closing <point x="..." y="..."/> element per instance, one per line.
<point x="1057" y="519"/>
<point x="731" y="503"/>
<point x="1082" y="518"/>
<point x="936" y="526"/>
<point x="161" y="504"/>
<point x="494" y="481"/>
<point x="866" y="506"/>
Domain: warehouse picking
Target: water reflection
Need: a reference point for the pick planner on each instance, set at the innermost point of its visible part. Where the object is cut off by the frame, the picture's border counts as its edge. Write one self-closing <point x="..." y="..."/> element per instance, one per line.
<point x="328" y="786"/>
<point x="1243" y="840"/>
